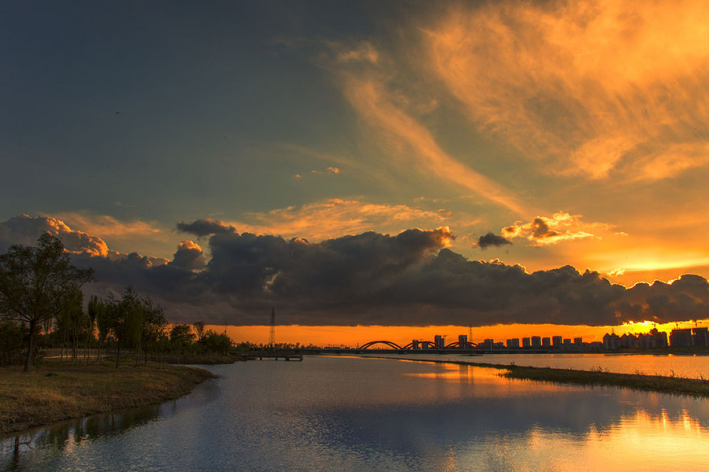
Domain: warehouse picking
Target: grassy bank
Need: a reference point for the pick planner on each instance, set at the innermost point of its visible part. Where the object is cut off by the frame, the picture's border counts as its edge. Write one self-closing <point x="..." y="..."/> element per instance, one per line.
<point x="639" y="382"/>
<point x="202" y="359"/>
<point x="58" y="391"/>
<point x="664" y="384"/>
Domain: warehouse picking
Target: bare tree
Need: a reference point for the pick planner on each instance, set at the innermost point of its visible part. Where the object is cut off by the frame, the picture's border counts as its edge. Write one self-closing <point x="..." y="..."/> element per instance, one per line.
<point x="37" y="283"/>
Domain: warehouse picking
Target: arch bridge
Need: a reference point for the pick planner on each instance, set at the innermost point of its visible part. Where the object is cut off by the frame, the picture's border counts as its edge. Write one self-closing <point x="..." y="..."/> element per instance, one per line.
<point x="424" y="344"/>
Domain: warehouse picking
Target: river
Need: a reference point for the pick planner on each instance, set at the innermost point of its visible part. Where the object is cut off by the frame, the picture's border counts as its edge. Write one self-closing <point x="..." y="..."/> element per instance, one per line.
<point x="355" y="414"/>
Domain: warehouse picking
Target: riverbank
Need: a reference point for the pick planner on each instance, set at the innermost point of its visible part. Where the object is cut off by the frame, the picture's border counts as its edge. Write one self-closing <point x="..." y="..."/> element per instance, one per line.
<point x="55" y="391"/>
<point x="203" y="359"/>
<point x="639" y="382"/>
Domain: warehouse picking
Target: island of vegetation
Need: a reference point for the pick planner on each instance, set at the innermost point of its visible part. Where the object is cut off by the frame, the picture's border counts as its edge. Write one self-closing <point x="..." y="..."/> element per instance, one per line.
<point x="59" y="357"/>
<point x="638" y="382"/>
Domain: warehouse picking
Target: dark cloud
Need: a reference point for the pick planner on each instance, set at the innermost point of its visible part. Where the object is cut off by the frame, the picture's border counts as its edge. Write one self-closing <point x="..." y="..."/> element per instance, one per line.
<point x="189" y="256"/>
<point x="374" y="279"/>
<point x="540" y="229"/>
<point x="491" y="240"/>
<point x="205" y="227"/>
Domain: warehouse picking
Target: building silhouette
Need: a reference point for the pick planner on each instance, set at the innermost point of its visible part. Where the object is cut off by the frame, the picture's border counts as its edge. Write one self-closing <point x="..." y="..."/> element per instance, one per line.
<point x="681" y="337"/>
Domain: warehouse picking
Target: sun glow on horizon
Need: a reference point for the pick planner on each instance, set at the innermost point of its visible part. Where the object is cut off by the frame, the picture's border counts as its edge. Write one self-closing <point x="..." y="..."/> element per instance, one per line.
<point x="354" y="336"/>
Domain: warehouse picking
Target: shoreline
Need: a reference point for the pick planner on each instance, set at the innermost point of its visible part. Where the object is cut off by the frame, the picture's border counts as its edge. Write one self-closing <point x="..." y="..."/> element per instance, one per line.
<point x="54" y="392"/>
<point x="638" y="382"/>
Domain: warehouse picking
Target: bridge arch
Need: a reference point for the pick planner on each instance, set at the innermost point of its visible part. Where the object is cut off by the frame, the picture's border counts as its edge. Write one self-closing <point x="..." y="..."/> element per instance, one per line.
<point x="422" y="343"/>
<point x="384" y="342"/>
<point x="458" y="345"/>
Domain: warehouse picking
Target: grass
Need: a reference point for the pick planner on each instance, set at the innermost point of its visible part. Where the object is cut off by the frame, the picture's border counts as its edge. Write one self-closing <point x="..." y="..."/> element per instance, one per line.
<point x="202" y="359"/>
<point x="54" y="391"/>
<point x="638" y="381"/>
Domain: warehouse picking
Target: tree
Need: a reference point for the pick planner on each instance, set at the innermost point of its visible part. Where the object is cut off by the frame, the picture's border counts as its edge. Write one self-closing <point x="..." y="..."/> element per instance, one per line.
<point x="71" y="322"/>
<point x="37" y="283"/>
<point x="124" y="318"/>
<point x="214" y="342"/>
<point x="154" y="325"/>
<point x="181" y="337"/>
<point x="93" y="310"/>
<point x="199" y="328"/>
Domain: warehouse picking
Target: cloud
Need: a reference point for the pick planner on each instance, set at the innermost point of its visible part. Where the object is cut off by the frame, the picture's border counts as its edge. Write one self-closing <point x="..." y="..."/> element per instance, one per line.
<point x="412" y="144"/>
<point x="412" y="278"/>
<point x="321" y="220"/>
<point x="25" y="230"/>
<point x="686" y="298"/>
<point x="592" y="88"/>
<point x="490" y="239"/>
<point x="205" y="227"/>
<point x="189" y="256"/>
<point x="370" y="87"/>
<point x="108" y="226"/>
<point x="363" y="51"/>
<point x="551" y="230"/>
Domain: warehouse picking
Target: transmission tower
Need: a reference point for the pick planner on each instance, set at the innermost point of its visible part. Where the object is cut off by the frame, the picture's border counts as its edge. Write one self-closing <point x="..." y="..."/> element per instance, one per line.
<point x="272" y="334"/>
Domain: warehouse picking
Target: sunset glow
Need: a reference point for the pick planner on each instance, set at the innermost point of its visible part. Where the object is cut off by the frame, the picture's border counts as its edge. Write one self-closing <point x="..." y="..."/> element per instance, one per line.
<point x="362" y="235"/>
<point x="397" y="171"/>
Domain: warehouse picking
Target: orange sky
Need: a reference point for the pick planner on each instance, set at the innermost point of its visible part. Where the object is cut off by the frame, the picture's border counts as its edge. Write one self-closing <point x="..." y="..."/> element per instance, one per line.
<point x="571" y="133"/>
<point x="358" y="335"/>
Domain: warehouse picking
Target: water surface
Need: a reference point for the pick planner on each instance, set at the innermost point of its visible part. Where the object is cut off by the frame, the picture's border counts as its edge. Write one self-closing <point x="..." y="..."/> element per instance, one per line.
<point x="354" y="414"/>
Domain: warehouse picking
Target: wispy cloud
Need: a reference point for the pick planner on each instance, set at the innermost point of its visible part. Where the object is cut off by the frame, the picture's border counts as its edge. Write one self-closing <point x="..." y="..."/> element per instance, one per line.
<point x="591" y="88"/>
<point x="368" y="87"/>
<point x="415" y="144"/>
<point x="109" y="226"/>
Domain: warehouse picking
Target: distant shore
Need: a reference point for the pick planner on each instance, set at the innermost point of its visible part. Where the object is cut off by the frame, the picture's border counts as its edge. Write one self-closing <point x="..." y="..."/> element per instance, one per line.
<point x="56" y="391"/>
<point x="639" y="382"/>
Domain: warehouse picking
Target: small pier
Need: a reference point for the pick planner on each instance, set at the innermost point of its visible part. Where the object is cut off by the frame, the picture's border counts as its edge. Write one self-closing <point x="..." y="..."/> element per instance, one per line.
<point x="277" y="356"/>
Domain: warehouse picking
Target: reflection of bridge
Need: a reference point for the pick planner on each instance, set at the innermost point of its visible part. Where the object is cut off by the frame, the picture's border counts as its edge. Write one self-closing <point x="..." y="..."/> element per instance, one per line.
<point x="425" y="345"/>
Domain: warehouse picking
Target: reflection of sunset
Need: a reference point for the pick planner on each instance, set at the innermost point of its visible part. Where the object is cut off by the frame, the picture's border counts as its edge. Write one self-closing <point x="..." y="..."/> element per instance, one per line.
<point x="664" y="441"/>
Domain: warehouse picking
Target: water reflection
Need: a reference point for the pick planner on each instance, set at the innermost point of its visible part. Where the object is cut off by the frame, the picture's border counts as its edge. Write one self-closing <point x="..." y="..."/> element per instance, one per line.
<point x="66" y="436"/>
<point x="330" y="414"/>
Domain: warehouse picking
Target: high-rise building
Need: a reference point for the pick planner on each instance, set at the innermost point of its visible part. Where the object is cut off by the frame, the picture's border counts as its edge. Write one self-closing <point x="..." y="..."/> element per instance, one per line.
<point x="513" y="343"/>
<point x="463" y="341"/>
<point x="526" y="343"/>
<point x="488" y="343"/>
<point x="611" y="341"/>
<point x="556" y="341"/>
<point x="681" y="337"/>
<point x="700" y="336"/>
<point x="546" y="342"/>
<point x="439" y="341"/>
<point x="536" y="342"/>
<point x="659" y="339"/>
<point x="578" y="341"/>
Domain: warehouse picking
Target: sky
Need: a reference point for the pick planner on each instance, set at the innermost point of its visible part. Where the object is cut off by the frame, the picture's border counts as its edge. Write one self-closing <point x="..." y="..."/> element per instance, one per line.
<point x="373" y="164"/>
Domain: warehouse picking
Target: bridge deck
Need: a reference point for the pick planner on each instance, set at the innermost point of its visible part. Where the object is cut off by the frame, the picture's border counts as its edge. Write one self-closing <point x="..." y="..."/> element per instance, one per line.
<point x="278" y="356"/>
